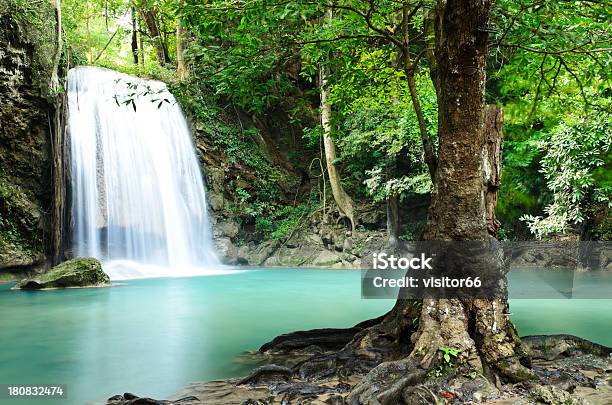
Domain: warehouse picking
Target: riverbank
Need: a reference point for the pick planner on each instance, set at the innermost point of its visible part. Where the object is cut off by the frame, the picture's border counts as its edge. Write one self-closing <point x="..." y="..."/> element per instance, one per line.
<point x="577" y="374"/>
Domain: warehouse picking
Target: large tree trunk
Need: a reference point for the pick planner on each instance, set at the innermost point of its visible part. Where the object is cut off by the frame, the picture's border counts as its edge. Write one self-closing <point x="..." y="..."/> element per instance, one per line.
<point x="462" y="203"/>
<point x="480" y="328"/>
<point x="344" y="201"/>
<point x="134" y="37"/>
<point x="149" y="16"/>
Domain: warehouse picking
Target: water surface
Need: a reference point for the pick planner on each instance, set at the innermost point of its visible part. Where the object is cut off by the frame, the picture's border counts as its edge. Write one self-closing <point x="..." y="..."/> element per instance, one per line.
<point x="154" y="336"/>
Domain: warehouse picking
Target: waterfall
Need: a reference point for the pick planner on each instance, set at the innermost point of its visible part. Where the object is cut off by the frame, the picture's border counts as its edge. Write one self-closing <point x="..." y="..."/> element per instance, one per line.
<point x="138" y="199"/>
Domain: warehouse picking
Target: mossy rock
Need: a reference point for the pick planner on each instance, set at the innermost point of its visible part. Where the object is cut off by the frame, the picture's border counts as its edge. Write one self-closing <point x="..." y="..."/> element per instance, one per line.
<point x="80" y="272"/>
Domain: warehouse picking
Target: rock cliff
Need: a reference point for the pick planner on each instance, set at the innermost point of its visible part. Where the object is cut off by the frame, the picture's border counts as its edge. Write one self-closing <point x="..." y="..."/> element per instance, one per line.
<point x="25" y="148"/>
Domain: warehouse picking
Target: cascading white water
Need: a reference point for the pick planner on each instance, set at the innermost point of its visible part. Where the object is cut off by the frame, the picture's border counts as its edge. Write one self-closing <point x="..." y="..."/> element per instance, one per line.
<point x="138" y="199"/>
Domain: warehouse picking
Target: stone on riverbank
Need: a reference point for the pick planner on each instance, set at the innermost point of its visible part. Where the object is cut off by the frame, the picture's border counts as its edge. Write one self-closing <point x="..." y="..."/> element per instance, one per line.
<point x="79" y="272"/>
<point x="131" y="399"/>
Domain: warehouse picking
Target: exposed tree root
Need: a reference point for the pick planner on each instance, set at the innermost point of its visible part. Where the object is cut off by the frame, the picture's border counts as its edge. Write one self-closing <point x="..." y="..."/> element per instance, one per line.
<point x="356" y="350"/>
<point x="400" y="355"/>
<point x="320" y="339"/>
<point x="267" y="373"/>
<point x="385" y="383"/>
<point x="404" y="354"/>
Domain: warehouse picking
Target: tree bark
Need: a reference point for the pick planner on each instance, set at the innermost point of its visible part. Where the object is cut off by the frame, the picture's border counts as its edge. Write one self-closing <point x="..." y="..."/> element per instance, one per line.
<point x="149" y="16"/>
<point x="480" y="328"/>
<point x="181" y="67"/>
<point x="57" y="145"/>
<point x="134" y="37"/>
<point x="493" y="123"/>
<point x="457" y="207"/>
<point x="343" y="200"/>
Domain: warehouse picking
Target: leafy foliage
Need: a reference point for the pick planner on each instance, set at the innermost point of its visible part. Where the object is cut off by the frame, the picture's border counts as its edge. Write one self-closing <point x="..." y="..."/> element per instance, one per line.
<point x="448" y="354"/>
<point x="32" y="17"/>
<point x="381" y="124"/>
<point x="283" y="221"/>
<point x="17" y="222"/>
<point x="242" y="50"/>
<point x="576" y="165"/>
<point x="239" y="145"/>
<point x="549" y="67"/>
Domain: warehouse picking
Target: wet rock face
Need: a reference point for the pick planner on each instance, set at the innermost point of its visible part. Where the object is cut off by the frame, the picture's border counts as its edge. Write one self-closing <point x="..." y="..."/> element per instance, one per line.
<point x="227" y="228"/>
<point x="80" y="272"/>
<point x="226" y="251"/>
<point x="327" y="246"/>
<point x="14" y="256"/>
<point x="25" y="151"/>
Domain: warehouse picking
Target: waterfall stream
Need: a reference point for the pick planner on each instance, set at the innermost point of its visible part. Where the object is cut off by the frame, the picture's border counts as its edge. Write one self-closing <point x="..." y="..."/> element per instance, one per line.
<point x="138" y="199"/>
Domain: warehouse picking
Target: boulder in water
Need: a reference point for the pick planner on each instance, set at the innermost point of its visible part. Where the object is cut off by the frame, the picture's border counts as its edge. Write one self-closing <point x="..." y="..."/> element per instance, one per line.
<point x="79" y="272"/>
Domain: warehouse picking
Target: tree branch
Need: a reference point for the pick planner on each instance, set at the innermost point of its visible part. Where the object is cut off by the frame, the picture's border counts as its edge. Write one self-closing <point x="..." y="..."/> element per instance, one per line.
<point x="367" y="19"/>
<point x="577" y="49"/>
<point x="107" y="44"/>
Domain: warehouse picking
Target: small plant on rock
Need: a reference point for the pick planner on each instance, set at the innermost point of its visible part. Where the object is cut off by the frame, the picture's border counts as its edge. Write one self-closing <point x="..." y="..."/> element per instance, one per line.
<point x="449" y="354"/>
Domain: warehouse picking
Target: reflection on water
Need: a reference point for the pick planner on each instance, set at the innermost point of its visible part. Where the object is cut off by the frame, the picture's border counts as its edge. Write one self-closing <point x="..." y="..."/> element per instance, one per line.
<point x="153" y="336"/>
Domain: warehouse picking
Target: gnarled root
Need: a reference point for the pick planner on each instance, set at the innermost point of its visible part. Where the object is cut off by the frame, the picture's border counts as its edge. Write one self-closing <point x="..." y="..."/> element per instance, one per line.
<point x="385" y="383"/>
<point x="316" y="340"/>
<point x="384" y="339"/>
<point x="483" y="342"/>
